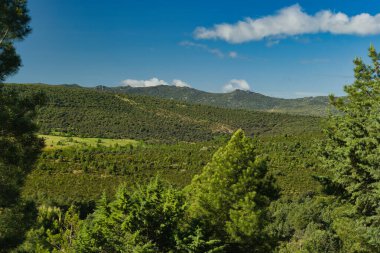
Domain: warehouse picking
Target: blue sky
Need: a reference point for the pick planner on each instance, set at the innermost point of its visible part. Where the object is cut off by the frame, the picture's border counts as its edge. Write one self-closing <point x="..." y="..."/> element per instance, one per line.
<point x="279" y="48"/>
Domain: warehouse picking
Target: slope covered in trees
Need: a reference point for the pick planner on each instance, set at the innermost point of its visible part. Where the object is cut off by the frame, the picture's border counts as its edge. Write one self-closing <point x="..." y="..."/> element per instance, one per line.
<point x="85" y="112"/>
<point x="237" y="99"/>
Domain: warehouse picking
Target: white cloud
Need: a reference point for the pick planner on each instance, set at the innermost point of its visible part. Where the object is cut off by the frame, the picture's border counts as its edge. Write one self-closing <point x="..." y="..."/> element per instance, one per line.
<point x="180" y="83"/>
<point x="292" y="21"/>
<point x="153" y="82"/>
<point x="232" y="54"/>
<point x="144" y="83"/>
<point x="236" y="84"/>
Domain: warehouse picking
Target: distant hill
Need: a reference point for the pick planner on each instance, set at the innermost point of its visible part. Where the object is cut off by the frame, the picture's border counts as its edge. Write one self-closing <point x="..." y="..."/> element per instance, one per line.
<point x="237" y="99"/>
<point x="88" y="112"/>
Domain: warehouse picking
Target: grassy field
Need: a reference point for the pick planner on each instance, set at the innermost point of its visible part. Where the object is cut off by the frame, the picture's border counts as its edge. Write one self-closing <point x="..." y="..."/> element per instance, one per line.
<point x="54" y="142"/>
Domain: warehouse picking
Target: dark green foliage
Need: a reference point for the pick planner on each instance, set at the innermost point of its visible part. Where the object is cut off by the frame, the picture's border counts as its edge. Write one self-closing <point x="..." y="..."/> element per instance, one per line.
<point x="347" y="219"/>
<point x="293" y="161"/>
<point x="352" y="151"/>
<point x="352" y="155"/>
<point x="14" y="222"/>
<point x="11" y="60"/>
<point x="231" y="196"/>
<point x="19" y="148"/>
<point x="305" y="225"/>
<point x="54" y="231"/>
<point x="149" y="218"/>
<point x="145" y="220"/>
<point x="19" y="145"/>
<point x="14" y="21"/>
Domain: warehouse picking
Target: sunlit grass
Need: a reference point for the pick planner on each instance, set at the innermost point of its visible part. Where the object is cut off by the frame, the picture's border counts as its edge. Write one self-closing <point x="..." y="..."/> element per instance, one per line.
<point x="53" y="142"/>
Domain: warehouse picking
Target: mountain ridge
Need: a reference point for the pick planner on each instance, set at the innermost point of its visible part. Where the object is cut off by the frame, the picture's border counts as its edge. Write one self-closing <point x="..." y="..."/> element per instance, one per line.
<point x="237" y="99"/>
<point x="89" y="112"/>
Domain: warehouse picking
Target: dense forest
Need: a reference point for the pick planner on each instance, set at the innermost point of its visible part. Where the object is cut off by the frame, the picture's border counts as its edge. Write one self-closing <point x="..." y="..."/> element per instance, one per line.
<point x="89" y="170"/>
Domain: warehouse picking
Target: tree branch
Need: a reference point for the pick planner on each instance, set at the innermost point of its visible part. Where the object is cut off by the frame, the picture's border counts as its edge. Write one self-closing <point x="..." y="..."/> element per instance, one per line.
<point x="4" y="36"/>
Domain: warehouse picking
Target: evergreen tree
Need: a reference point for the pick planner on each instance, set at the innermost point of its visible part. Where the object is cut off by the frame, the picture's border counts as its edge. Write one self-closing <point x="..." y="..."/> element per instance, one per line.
<point x="19" y="148"/>
<point x="352" y="155"/>
<point x="352" y="150"/>
<point x="149" y="219"/>
<point x="14" y="21"/>
<point x="144" y="220"/>
<point x="54" y="231"/>
<point x="231" y="196"/>
<point x="19" y="145"/>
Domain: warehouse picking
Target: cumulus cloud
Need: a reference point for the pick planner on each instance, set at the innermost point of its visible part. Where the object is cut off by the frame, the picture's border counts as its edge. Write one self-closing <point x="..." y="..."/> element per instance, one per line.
<point x="153" y="82"/>
<point x="236" y="84"/>
<point x="292" y="21"/>
<point x="180" y="83"/>
<point x="144" y="83"/>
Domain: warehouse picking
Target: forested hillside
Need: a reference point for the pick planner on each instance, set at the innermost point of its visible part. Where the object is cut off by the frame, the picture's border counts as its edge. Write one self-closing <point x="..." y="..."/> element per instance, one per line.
<point x="72" y="110"/>
<point x="237" y="99"/>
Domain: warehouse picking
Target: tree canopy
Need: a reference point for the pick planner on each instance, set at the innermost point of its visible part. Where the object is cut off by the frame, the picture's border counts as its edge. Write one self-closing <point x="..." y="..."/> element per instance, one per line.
<point x="19" y="145"/>
<point x="14" y="25"/>
<point x="231" y="196"/>
<point x="352" y="154"/>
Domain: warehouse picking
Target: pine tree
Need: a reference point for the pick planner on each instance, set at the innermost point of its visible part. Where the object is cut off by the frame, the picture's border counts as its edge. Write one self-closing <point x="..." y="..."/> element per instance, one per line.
<point x="19" y="145"/>
<point x="351" y="154"/>
<point x="144" y="220"/>
<point x="231" y="196"/>
<point x="352" y="151"/>
<point x="54" y="231"/>
<point x="14" y="22"/>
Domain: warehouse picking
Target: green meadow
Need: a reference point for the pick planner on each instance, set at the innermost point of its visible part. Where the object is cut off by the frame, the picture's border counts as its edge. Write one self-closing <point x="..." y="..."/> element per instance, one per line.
<point x="54" y="142"/>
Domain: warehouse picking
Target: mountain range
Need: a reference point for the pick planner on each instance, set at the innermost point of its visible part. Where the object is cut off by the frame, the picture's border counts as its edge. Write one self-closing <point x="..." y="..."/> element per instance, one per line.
<point x="109" y="113"/>
<point x="238" y="99"/>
